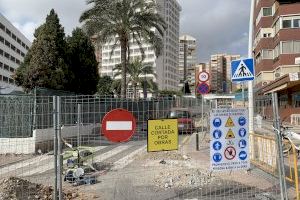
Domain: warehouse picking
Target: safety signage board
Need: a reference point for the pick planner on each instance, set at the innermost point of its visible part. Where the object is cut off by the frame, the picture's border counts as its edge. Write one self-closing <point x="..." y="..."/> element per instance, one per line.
<point x="242" y="70"/>
<point x="118" y="125"/>
<point x="162" y="135"/>
<point x="229" y="144"/>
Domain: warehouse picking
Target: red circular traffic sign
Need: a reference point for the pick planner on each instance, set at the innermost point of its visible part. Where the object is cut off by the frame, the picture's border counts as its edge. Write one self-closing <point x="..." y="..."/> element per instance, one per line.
<point x="118" y="125"/>
<point x="203" y="76"/>
<point x="203" y="88"/>
<point x="230" y="153"/>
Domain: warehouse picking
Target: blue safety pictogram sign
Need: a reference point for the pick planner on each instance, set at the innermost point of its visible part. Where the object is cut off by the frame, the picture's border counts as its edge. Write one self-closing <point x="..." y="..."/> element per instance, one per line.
<point x="242" y="144"/>
<point x="243" y="155"/>
<point x="242" y="70"/>
<point x="203" y="88"/>
<point x="217" y="145"/>
<point x="242" y="132"/>
<point x="217" y="122"/>
<point x="217" y="134"/>
<point x="242" y="121"/>
<point x="217" y="157"/>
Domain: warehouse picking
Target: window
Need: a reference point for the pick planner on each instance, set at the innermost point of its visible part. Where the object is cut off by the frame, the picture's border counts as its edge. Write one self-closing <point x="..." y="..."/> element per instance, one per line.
<point x="286" y="24"/>
<point x="8" y="32"/>
<point x="296" y="100"/>
<point x="267" y="11"/>
<point x="2" y="26"/>
<point x="287" y="47"/>
<point x="267" y="54"/>
<point x="1" y="39"/>
<point x="5" y="79"/>
<point x="296" y="23"/>
<point x="296" y="46"/>
<point x="6" y="67"/>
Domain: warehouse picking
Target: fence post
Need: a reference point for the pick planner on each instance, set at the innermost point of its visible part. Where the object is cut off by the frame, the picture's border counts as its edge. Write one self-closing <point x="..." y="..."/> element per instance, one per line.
<point x="59" y="149"/>
<point x="280" y="162"/>
<point x="55" y="126"/>
<point x="78" y="124"/>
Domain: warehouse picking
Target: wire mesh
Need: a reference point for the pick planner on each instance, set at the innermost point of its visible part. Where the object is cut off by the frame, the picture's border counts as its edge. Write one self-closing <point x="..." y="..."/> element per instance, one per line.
<point x="116" y="170"/>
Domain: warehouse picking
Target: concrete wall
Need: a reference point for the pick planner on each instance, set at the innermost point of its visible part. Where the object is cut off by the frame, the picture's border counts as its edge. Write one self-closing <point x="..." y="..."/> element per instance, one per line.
<point x="43" y="139"/>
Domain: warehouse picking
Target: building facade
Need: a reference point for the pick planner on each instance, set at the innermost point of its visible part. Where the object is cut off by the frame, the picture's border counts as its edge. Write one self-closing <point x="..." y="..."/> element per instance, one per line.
<point x="188" y="59"/>
<point x="276" y="46"/>
<point x="220" y="71"/>
<point x="165" y="66"/>
<point x="13" y="48"/>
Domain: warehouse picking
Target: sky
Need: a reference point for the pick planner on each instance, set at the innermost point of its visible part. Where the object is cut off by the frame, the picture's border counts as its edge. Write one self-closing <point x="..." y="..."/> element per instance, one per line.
<point x="220" y="26"/>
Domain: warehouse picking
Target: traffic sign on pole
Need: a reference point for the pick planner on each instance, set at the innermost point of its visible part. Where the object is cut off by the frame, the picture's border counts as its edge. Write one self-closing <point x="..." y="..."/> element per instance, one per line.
<point x="242" y="70"/>
<point x="203" y="76"/>
<point x="203" y="88"/>
<point x="118" y="125"/>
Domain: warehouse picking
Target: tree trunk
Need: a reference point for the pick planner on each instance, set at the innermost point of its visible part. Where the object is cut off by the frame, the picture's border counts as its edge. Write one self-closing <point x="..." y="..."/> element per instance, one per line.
<point x="134" y="90"/>
<point x="124" y="44"/>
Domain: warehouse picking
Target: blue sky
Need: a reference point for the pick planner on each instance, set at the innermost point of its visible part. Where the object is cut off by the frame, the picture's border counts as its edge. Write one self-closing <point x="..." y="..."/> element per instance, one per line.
<point x="220" y="26"/>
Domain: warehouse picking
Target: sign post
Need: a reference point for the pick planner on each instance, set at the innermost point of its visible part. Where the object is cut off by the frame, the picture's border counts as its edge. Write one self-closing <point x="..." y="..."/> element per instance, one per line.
<point x="202" y="88"/>
<point x="229" y="139"/>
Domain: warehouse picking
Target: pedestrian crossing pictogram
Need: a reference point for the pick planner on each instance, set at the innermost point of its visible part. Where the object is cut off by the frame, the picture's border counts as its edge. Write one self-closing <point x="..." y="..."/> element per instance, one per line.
<point x="229" y="122"/>
<point x="230" y="134"/>
<point x="242" y="70"/>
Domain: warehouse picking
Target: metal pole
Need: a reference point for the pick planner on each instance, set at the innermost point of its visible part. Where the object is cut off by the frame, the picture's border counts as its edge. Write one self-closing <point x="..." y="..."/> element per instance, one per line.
<point x="280" y="160"/>
<point x="243" y="94"/>
<point x="55" y="126"/>
<point x="250" y="83"/>
<point x="59" y="148"/>
<point x="78" y="124"/>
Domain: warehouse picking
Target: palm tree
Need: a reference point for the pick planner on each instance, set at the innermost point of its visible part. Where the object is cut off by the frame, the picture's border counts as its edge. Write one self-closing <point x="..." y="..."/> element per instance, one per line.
<point x="137" y="71"/>
<point x="125" y="20"/>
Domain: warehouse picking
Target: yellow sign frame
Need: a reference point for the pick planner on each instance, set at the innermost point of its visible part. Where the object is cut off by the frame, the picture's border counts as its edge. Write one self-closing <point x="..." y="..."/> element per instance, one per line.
<point x="162" y="135"/>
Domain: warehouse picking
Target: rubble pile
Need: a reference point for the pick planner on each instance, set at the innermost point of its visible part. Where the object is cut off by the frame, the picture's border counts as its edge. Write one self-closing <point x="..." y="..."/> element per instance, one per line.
<point x="18" y="189"/>
<point x="183" y="178"/>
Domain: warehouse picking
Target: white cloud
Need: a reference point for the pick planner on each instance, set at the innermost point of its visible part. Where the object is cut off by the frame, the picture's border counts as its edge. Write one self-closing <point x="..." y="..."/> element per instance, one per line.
<point x="27" y="15"/>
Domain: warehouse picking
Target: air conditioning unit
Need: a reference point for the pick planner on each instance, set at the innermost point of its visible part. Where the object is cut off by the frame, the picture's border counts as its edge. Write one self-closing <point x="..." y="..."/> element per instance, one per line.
<point x="297" y="61"/>
<point x="265" y="83"/>
<point x="277" y="75"/>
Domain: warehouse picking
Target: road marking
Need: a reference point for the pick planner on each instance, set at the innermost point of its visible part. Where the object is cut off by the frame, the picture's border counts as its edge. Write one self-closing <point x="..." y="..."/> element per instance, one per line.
<point x="23" y="164"/>
<point x="185" y="140"/>
<point x="111" y="153"/>
<point x="123" y="162"/>
<point x="49" y="165"/>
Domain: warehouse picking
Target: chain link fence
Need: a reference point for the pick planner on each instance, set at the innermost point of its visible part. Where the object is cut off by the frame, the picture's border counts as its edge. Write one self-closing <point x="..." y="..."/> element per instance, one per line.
<point x="62" y="150"/>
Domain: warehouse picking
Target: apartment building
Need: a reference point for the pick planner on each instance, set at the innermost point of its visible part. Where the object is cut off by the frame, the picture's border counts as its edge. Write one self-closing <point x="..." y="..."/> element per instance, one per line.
<point x="165" y="66"/>
<point x="187" y="61"/>
<point x="220" y="73"/>
<point x="276" y="47"/>
<point x="13" y="48"/>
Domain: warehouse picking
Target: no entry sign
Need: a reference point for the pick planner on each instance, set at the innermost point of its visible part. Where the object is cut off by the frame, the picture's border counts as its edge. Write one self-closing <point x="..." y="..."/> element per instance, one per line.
<point x="118" y="125"/>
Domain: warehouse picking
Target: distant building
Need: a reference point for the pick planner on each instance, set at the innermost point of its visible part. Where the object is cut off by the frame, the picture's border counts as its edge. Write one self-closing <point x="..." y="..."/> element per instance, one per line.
<point x="220" y="73"/>
<point x="13" y="48"/>
<point x="276" y="46"/>
<point x="165" y="66"/>
<point x="188" y="57"/>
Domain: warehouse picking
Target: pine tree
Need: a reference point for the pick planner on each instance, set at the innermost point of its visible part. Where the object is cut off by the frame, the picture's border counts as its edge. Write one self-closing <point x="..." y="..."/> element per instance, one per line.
<point x="44" y="65"/>
<point x="83" y="63"/>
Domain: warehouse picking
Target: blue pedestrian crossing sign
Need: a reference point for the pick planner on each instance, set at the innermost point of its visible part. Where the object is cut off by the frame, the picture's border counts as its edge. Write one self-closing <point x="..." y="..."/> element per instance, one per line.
<point x="242" y="70"/>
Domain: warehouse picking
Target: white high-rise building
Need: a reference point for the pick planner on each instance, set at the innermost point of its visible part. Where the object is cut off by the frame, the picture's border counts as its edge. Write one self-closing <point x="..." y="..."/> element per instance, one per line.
<point x="165" y="66"/>
<point x="13" y="48"/>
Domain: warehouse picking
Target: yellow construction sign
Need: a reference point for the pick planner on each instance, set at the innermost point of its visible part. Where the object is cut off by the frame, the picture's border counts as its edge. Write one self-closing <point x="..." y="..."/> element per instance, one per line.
<point x="230" y="134"/>
<point x="162" y="135"/>
<point x="229" y="122"/>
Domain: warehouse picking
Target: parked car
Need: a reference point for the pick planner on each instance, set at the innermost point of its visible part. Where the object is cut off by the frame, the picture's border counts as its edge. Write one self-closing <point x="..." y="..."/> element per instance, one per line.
<point x="184" y="117"/>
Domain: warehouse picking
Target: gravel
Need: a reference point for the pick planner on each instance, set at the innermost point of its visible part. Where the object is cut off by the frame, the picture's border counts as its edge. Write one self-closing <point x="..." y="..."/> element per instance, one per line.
<point x="15" y="188"/>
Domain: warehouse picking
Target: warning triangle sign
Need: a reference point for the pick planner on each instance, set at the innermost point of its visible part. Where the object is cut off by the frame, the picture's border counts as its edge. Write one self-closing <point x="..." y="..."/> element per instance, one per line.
<point x="230" y="134"/>
<point x="242" y="71"/>
<point x="229" y="122"/>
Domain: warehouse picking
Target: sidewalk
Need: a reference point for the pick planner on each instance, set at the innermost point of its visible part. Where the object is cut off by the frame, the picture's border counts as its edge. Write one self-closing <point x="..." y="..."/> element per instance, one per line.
<point x="259" y="182"/>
